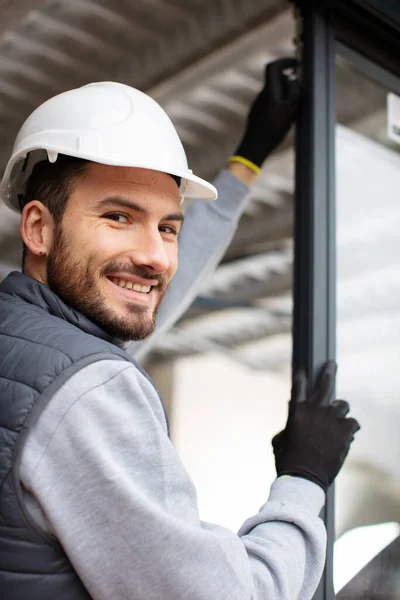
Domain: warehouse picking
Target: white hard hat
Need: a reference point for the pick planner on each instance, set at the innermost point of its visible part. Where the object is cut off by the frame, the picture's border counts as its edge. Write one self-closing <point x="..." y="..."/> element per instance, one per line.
<point x="105" y="122"/>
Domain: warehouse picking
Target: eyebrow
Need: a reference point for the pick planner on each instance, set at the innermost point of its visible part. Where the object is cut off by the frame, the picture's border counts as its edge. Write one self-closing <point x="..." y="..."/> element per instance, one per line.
<point x="120" y="201"/>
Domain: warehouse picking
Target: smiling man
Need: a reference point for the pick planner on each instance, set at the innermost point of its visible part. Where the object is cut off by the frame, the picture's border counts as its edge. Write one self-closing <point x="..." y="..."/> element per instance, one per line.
<point x="94" y="501"/>
<point x="116" y="249"/>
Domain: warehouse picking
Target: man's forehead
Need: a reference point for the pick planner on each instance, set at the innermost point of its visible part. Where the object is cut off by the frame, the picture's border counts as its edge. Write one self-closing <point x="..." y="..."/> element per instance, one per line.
<point x="130" y="175"/>
<point x="152" y="189"/>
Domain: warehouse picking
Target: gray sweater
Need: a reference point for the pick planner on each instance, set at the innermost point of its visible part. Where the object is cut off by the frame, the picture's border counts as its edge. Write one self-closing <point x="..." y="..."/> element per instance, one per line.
<point x="100" y="474"/>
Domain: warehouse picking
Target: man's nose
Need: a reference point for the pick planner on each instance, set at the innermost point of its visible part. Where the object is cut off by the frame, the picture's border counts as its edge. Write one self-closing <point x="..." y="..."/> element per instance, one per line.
<point x="150" y="252"/>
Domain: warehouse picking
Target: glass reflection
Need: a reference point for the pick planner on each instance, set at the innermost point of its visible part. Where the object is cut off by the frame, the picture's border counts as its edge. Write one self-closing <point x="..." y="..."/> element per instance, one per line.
<point x="368" y="338"/>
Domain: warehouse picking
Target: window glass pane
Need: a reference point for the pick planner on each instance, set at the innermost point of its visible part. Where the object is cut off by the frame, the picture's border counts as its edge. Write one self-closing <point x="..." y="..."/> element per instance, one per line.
<point x="367" y="558"/>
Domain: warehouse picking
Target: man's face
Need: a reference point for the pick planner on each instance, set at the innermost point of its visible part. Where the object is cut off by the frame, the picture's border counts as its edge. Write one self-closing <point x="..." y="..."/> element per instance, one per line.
<point x="116" y="248"/>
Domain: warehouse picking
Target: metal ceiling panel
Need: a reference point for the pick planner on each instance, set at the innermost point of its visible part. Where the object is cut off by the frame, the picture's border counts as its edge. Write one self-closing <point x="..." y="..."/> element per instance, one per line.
<point x="203" y="60"/>
<point x="68" y="43"/>
<point x="13" y="11"/>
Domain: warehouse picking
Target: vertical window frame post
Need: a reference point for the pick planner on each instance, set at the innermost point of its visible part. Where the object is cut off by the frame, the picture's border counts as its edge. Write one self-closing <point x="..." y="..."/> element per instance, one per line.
<point x="314" y="291"/>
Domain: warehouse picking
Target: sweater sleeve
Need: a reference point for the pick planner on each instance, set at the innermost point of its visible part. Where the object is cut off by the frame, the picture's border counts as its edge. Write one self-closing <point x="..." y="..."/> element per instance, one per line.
<point x="205" y="235"/>
<point x="100" y="474"/>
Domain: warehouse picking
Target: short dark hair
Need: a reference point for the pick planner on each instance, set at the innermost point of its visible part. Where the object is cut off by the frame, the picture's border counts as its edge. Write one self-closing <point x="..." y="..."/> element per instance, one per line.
<point x="52" y="184"/>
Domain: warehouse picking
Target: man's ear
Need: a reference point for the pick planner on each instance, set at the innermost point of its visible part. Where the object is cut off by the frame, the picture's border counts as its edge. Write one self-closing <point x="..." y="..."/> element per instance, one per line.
<point x="37" y="228"/>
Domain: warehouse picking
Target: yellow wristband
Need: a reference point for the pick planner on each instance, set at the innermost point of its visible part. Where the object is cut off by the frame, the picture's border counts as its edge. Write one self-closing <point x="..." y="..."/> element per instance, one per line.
<point x="246" y="163"/>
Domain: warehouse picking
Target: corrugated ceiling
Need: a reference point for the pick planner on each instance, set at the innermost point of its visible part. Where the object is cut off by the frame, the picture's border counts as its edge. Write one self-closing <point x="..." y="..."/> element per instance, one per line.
<point x="203" y="60"/>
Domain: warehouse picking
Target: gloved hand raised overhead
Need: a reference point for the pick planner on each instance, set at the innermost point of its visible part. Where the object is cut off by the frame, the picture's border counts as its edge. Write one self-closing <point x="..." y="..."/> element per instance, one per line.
<point x="273" y="112"/>
<point x="317" y="436"/>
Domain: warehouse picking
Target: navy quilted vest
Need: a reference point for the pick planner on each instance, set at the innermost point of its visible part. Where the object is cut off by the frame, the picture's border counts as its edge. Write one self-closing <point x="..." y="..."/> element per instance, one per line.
<point x="42" y="343"/>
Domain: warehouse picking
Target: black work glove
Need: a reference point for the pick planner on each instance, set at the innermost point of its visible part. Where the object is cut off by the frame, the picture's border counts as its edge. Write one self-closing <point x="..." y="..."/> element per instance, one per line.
<point x="317" y="436"/>
<point x="272" y="113"/>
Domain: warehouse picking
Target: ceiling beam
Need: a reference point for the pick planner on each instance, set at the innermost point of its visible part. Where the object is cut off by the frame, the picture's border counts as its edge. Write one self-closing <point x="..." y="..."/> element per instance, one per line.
<point x="13" y="11"/>
<point x="260" y="40"/>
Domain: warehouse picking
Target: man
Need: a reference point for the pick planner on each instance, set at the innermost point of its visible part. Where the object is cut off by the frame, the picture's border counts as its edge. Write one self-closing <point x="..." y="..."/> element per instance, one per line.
<point x="94" y="500"/>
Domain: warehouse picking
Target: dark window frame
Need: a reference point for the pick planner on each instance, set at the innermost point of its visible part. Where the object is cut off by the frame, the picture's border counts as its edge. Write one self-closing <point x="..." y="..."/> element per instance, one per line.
<point x="327" y="28"/>
<point x="314" y="233"/>
<point x="359" y="27"/>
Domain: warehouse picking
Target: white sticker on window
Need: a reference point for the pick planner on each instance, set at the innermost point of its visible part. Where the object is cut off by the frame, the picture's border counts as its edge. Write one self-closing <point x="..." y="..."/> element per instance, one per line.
<point x="393" y="117"/>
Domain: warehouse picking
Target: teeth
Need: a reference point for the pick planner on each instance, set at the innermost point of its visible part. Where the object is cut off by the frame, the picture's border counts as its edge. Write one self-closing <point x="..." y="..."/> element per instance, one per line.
<point x="136" y="287"/>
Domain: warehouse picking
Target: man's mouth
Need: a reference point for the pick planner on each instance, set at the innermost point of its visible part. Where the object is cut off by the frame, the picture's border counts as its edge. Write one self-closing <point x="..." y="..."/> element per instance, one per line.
<point x="129" y="285"/>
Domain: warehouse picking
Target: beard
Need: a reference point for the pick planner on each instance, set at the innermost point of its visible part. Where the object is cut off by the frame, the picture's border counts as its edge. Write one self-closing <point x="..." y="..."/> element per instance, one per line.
<point x="79" y="288"/>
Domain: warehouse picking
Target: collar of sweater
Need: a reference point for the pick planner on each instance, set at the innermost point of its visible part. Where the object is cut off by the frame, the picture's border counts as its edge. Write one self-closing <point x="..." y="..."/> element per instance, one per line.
<point x="30" y="290"/>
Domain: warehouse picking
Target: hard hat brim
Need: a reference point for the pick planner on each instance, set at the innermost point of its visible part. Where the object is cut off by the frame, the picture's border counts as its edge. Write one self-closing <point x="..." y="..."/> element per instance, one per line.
<point x="192" y="186"/>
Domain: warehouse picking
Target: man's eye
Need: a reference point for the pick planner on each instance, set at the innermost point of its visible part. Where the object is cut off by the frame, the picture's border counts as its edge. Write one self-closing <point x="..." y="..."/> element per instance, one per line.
<point x="118" y="217"/>
<point x="168" y="229"/>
